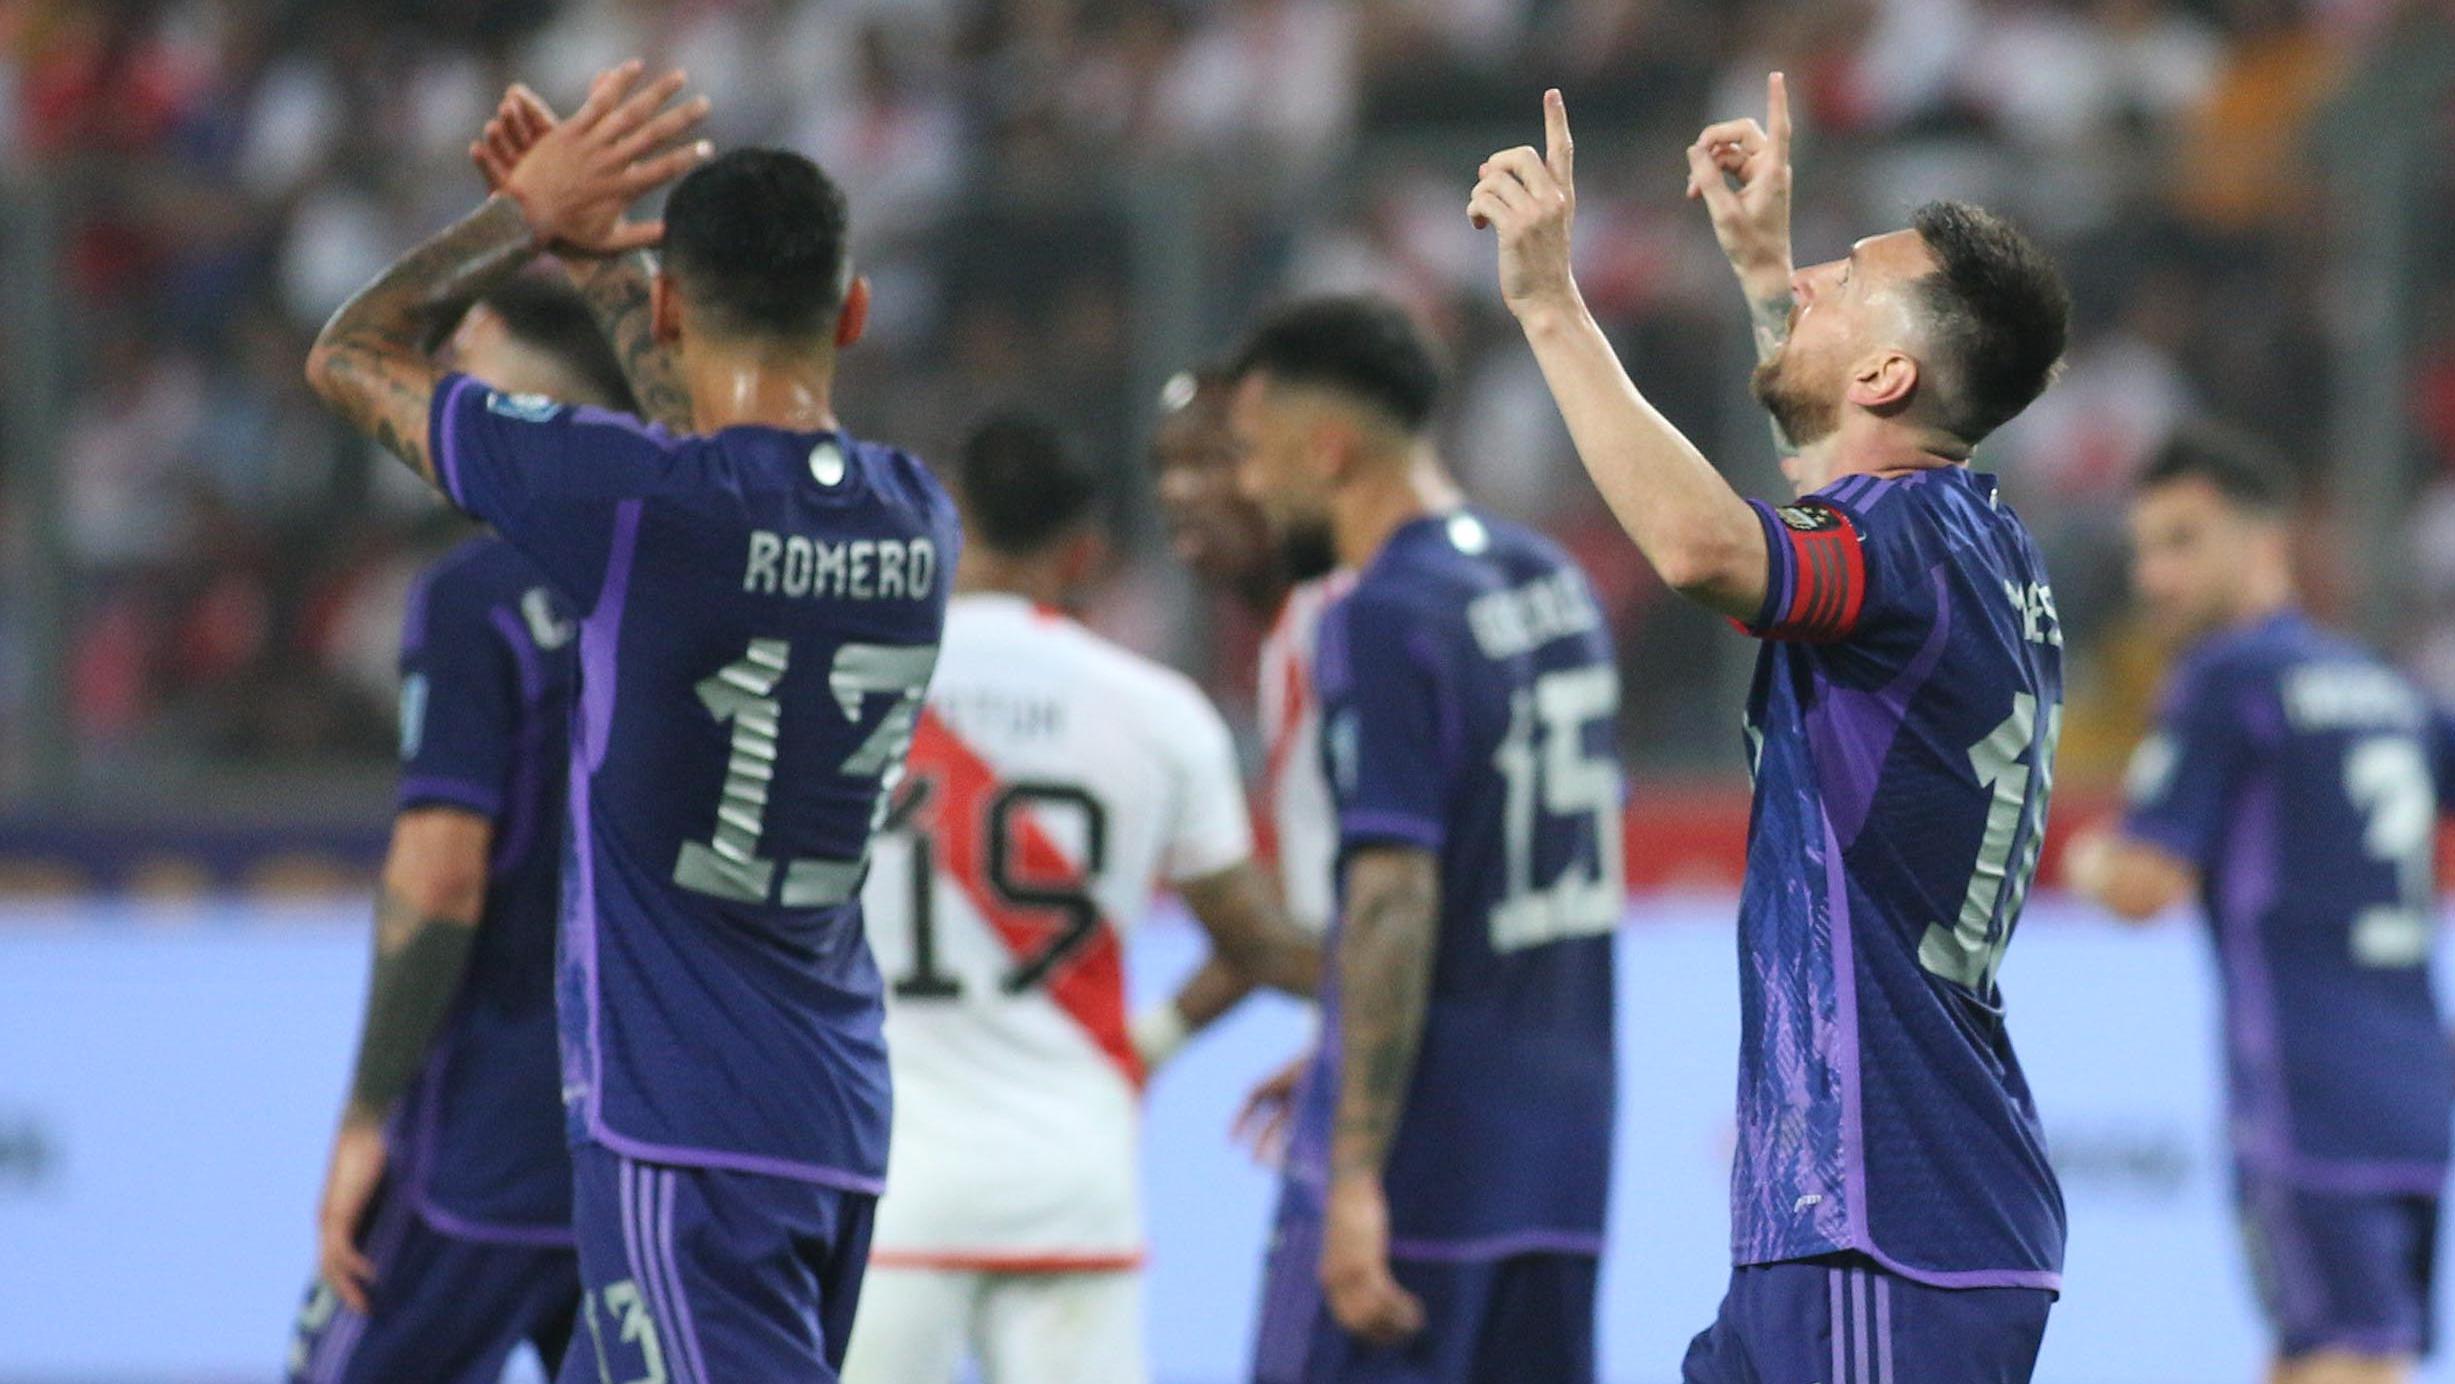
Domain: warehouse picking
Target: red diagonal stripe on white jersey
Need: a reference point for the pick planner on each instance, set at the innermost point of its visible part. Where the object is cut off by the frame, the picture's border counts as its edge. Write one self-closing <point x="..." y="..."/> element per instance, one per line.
<point x="1089" y="986"/>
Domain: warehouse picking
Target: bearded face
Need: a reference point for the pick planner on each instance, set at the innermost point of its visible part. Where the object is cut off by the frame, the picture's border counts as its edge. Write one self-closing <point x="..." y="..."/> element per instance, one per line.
<point x="1804" y="401"/>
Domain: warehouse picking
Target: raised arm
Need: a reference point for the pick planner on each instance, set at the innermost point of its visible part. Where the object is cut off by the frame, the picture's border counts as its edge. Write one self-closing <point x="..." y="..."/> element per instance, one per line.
<point x="1752" y="221"/>
<point x="427" y="908"/>
<point x="1685" y="518"/>
<point x="615" y="286"/>
<point x="370" y="363"/>
<point x="1385" y="949"/>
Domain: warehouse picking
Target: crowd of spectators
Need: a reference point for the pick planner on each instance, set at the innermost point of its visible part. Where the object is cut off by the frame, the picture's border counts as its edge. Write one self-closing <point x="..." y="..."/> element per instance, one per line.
<point x="1053" y="195"/>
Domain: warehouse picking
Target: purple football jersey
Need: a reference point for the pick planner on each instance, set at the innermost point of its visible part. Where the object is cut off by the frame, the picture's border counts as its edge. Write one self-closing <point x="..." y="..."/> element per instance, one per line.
<point x="2304" y="779"/>
<point x="488" y="662"/>
<point x="759" y="614"/>
<point x="1902" y="731"/>
<point x="1470" y="701"/>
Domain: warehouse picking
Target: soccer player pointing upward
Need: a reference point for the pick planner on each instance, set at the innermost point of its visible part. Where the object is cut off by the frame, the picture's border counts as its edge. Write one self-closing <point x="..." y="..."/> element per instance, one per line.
<point x="1893" y="1213"/>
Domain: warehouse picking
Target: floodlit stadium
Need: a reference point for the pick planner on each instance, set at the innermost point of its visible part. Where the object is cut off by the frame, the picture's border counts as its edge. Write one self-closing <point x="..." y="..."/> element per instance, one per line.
<point x="1162" y="690"/>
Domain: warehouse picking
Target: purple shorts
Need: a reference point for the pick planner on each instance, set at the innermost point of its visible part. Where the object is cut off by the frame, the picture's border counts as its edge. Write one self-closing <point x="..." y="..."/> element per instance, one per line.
<point x="1844" y="1319"/>
<point x="2341" y="1270"/>
<point x="442" y="1308"/>
<point x="1486" y="1320"/>
<point x="697" y="1275"/>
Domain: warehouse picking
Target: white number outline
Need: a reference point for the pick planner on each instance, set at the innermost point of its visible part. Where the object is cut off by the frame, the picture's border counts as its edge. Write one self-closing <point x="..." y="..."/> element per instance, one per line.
<point x="2388" y="780"/>
<point x="1970" y="951"/>
<point x="1568" y="782"/>
<point x="728" y="865"/>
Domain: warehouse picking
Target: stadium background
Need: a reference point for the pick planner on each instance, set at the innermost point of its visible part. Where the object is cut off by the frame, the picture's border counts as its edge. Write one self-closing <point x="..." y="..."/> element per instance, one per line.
<point x="1062" y="202"/>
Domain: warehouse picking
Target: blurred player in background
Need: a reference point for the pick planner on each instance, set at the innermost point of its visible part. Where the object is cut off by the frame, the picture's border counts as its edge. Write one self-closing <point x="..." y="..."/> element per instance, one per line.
<point x="1221" y="536"/>
<point x="444" y="1235"/>
<point x="760" y="602"/>
<point x="1441" y="1211"/>
<point x="1218" y="533"/>
<point x="1894" y="1215"/>
<point x="1055" y="780"/>
<point x="2294" y="785"/>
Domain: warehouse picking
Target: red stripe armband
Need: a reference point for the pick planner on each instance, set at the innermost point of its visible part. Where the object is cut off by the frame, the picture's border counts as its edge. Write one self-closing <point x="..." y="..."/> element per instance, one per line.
<point x="1816" y="575"/>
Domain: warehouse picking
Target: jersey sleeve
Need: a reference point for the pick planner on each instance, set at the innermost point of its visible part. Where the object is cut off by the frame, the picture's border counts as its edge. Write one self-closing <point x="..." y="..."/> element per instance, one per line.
<point x="460" y="701"/>
<point x="1388" y="727"/>
<point x="1816" y="573"/>
<point x="1213" y="830"/>
<point x="2181" y="776"/>
<point x="549" y="477"/>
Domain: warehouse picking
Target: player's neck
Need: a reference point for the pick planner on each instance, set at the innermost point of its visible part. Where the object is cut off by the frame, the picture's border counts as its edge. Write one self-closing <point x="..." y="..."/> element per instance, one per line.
<point x="731" y="385"/>
<point x="1867" y="445"/>
<point x="1367" y="510"/>
<point x="2263" y="597"/>
<point x="980" y="572"/>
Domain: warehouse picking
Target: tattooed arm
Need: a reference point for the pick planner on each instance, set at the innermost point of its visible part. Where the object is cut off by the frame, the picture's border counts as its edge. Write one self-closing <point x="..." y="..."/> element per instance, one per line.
<point x="569" y="191"/>
<point x="616" y="288"/>
<point x="1751" y="221"/>
<point x="370" y="361"/>
<point x="1384" y="962"/>
<point x="1768" y="311"/>
<point x="427" y="908"/>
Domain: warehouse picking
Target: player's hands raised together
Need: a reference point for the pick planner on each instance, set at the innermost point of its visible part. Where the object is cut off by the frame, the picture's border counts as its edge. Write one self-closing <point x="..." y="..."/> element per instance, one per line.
<point x="1752" y="220"/>
<point x="573" y="179"/>
<point x="1531" y="200"/>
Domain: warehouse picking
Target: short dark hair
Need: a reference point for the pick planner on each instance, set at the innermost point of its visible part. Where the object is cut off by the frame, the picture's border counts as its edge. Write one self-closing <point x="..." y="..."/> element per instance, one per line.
<point x="1021" y="486"/>
<point x="2244" y="470"/>
<point x="1366" y="348"/>
<point x="552" y="317"/>
<point x="1999" y="313"/>
<point x="757" y="237"/>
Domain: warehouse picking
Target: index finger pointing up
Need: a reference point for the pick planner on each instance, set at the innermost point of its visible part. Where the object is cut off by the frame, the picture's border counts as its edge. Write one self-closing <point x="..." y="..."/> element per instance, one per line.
<point x="1559" y="151"/>
<point x="1777" y="115"/>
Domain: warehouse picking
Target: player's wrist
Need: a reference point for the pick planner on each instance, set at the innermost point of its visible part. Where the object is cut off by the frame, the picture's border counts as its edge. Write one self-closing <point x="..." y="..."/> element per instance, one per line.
<point x="1158" y="1032"/>
<point x="1763" y="276"/>
<point x="1552" y="312"/>
<point x="531" y="214"/>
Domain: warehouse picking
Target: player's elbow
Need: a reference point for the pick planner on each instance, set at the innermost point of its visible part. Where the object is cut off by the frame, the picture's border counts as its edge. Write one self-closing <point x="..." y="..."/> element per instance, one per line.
<point x="1712" y="570"/>
<point x="437" y="867"/>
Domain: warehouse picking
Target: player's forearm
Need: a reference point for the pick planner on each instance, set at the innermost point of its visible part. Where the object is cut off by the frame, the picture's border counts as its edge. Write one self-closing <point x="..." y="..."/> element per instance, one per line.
<point x="370" y="362"/>
<point x="420" y="957"/>
<point x="1250" y="932"/>
<point x="1769" y="305"/>
<point x="2129" y="879"/>
<point x="616" y="288"/>
<point x="1385" y="952"/>
<point x="1214" y="990"/>
<point x="1684" y="517"/>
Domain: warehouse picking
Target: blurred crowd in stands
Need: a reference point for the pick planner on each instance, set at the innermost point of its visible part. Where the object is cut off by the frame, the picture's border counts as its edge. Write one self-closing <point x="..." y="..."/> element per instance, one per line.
<point x="1054" y="195"/>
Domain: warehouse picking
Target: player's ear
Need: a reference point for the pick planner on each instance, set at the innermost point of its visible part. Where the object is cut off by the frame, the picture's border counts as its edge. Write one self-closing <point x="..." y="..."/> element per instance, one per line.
<point x="1884" y="381"/>
<point x="664" y="310"/>
<point x="853" y="318"/>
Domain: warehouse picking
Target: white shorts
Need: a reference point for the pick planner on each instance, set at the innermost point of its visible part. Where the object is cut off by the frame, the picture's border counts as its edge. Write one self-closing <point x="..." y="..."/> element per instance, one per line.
<point x="916" y="1325"/>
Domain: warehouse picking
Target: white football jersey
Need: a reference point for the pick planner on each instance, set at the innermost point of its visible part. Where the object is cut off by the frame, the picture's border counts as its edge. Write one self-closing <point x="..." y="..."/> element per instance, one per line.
<point x="1295" y="787"/>
<point x="1055" y="781"/>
